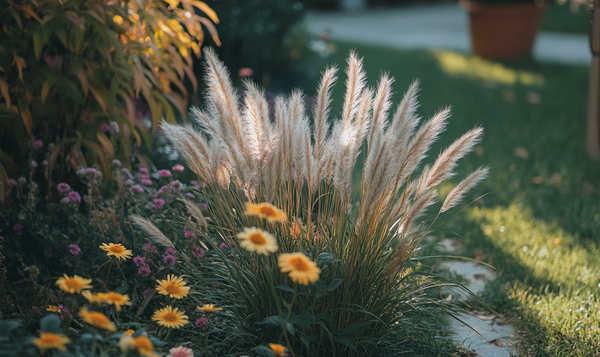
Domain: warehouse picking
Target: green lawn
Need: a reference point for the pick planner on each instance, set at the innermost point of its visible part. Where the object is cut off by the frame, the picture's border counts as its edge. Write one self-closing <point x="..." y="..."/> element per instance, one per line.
<point x="539" y="225"/>
<point x="560" y="18"/>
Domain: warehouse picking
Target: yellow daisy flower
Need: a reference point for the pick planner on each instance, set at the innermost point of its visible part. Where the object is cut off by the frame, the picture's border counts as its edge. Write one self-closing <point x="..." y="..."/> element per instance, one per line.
<point x="116" y="299"/>
<point x="97" y="319"/>
<point x="53" y="308"/>
<point x="73" y="285"/>
<point x="93" y="298"/>
<point x="117" y="251"/>
<point x="267" y="211"/>
<point x="144" y="346"/>
<point x="210" y="308"/>
<point x="278" y="350"/>
<point x="301" y="269"/>
<point x="49" y="340"/>
<point x="174" y="286"/>
<point x="170" y="317"/>
<point x="257" y="240"/>
<point x="129" y="332"/>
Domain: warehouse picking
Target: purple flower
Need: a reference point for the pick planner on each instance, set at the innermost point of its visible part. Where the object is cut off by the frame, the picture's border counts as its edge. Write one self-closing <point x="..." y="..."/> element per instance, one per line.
<point x="75" y="250"/>
<point x="144" y="271"/>
<point x="18" y="227"/>
<point x="147" y="292"/>
<point x="189" y="234"/>
<point x="190" y="195"/>
<point x="196" y="185"/>
<point x="137" y="188"/>
<point x="116" y="163"/>
<point x="11" y="182"/>
<point x="142" y="175"/>
<point x="63" y="187"/>
<point x="74" y="197"/>
<point x="33" y="164"/>
<point x="149" y="248"/>
<point x="170" y="251"/>
<point x="164" y="173"/>
<point x="146" y="182"/>
<point x="203" y="205"/>
<point x="198" y="252"/>
<point x="128" y="182"/>
<point x="202" y="322"/>
<point x="177" y="168"/>
<point x="159" y="203"/>
<point x="126" y="172"/>
<point x="144" y="170"/>
<point x="114" y="127"/>
<point x="37" y="145"/>
<point x="104" y="127"/>
<point x="65" y="201"/>
<point x="22" y="180"/>
<point x="222" y="245"/>
<point x="139" y="260"/>
<point x="169" y="260"/>
<point x="176" y="185"/>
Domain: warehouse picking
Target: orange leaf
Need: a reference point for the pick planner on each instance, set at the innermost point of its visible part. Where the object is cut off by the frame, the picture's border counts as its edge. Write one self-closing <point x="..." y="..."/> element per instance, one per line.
<point x="207" y="10"/>
<point x="4" y="92"/>
<point x="106" y="145"/>
<point x="26" y="118"/>
<point x="20" y="62"/>
<point x="45" y="90"/>
<point x="29" y="11"/>
<point x="212" y="29"/>
<point x="100" y="97"/>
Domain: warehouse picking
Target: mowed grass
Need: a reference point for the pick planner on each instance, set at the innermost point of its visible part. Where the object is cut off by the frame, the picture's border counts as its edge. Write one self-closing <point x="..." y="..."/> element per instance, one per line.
<point x="539" y="222"/>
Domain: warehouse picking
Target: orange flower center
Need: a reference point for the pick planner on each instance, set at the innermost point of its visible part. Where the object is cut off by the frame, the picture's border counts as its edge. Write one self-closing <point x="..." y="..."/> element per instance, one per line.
<point x="73" y="284"/>
<point x="114" y="298"/>
<point x="98" y="319"/>
<point x="143" y="345"/>
<point x="299" y="264"/>
<point x="50" y="339"/>
<point x="257" y="239"/>
<point x="117" y="249"/>
<point x="170" y="317"/>
<point x="266" y="210"/>
<point x="172" y="288"/>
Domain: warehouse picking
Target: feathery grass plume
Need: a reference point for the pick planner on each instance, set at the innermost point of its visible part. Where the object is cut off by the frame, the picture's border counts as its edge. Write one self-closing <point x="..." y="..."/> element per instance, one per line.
<point x="456" y="194"/>
<point x="155" y="234"/>
<point x="362" y="242"/>
<point x="443" y="168"/>
<point x="196" y="212"/>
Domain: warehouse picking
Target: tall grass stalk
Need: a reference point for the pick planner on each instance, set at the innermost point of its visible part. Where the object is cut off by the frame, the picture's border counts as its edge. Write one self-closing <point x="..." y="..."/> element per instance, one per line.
<point x="304" y="164"/>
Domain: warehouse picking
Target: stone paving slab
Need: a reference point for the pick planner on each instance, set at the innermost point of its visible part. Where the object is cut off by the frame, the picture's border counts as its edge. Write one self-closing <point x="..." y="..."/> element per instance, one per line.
<point x="434" y="27"/>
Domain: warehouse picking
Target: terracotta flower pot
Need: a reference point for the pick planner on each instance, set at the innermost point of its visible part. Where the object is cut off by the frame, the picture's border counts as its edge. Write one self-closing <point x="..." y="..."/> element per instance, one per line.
<point x="504" y="31"/>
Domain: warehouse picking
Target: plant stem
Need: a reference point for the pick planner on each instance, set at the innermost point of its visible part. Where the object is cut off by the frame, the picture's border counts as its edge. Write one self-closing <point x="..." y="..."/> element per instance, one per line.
<point x="109" y="267"/>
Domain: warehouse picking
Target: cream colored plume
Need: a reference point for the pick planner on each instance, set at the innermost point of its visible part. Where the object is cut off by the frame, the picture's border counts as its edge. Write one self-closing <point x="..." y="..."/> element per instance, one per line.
<point x="155" y="234"/>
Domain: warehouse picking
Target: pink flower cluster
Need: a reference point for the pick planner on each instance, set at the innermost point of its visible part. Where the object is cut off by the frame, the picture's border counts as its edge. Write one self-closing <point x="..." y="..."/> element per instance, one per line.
<point x="169" y="257"/>
<point x="143" y="265"/>
<point x="90" y="174"/>
<point x="202" y="322"/>
<point x="164" y="173"/>
<point x="74" y="249"/>
<point x="18" y="227"/>
<point x="180" y="352"/>
<point x="177" y="168"/>
<point x="150" y="249"/>
<point x="68" y="195"/>
<point x="198" y="252"/>
<point x="159" y="203"/>
<point x="38" y="144"/>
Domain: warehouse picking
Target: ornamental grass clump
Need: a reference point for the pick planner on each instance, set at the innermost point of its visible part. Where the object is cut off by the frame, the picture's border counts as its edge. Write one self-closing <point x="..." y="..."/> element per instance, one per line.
<point x="321" y="261"/>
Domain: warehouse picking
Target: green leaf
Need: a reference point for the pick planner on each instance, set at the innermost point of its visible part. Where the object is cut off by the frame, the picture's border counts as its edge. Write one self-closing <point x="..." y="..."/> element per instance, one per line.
<point x="343" y="338"/>
<point x="325" y="317"/>
<point x="50" y="323"/>
<point x="37" y="45"/>
<point x="7" y="326"/>
<point x="326" y="259"/>
<point x="303" y="320"/>
<point x="272" y="320"/>
<point x="138" y="332"/>
<point x="332" y="286"/>
<point x="285" y="288"/>
<point x="290" y="328"/>
<point x="264" y="351"/>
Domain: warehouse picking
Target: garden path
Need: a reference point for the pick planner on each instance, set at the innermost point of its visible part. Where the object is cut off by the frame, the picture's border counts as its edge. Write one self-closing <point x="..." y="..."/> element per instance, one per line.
<point x="434" y="27"/>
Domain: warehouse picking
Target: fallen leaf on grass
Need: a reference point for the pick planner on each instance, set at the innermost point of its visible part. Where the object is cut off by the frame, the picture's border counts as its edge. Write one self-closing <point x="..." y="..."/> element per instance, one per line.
<point x="521" y="152"/>
<point x="534" y="98"/>
<point x="497" y="342"/>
